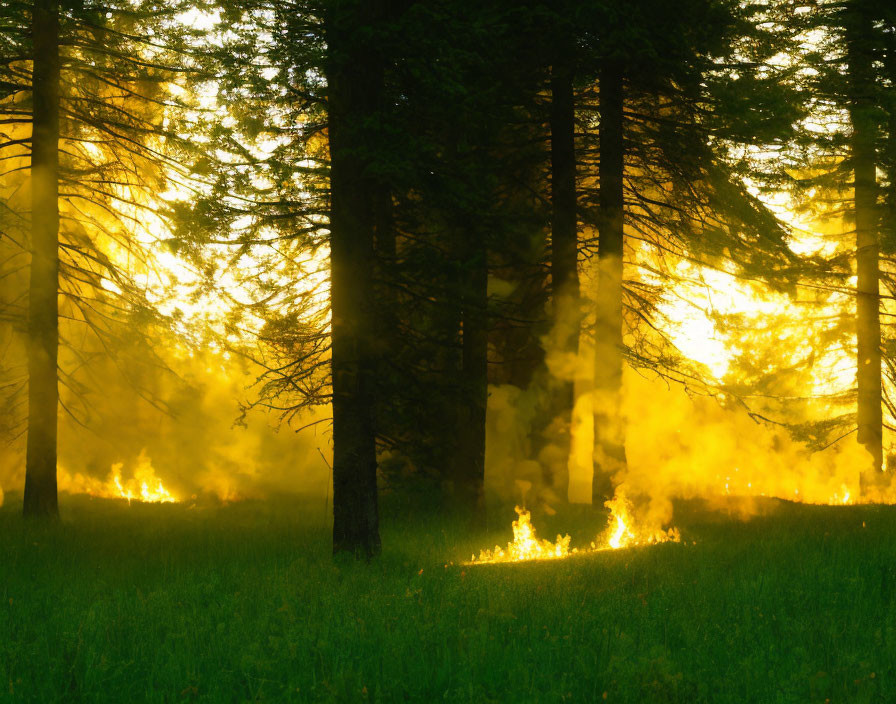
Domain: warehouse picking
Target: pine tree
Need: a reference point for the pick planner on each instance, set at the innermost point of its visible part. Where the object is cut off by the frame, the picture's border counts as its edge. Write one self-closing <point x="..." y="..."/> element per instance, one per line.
<point x="846" y="80"/>
<point x="859" y="38"/>
<point x="667" y="120"/>
<point x="43" y="320"/>
<point x="609" y="433"/>
<point x="91" y="88"/>
<point x="354" y="82"/>
<point x="564" y="230"/>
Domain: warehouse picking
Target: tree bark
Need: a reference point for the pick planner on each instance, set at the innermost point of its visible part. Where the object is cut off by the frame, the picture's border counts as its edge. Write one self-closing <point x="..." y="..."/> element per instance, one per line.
<point x="43" y="312"/>
<point x="387" y="342"/>
<point x="861" y="111"/>
<point x="609" y="427"/>
<point x="564" y="250"/>
<point x="470" y="459"/>
<point x="354" y="82"/>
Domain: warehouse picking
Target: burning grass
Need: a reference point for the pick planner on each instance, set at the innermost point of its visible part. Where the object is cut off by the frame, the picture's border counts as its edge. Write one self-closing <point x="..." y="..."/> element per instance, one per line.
<point x="622" y="531"/>
<point x="244" y="602"/>
<point x="143" y="484"/>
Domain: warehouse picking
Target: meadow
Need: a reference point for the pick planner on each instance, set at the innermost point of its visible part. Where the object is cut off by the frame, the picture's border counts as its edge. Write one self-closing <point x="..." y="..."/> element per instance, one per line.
<point x="244" y="602"/>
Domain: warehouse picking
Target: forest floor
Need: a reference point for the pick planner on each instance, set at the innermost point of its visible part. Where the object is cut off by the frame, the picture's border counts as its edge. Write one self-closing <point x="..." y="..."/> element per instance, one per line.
<point x="244" y="602"/>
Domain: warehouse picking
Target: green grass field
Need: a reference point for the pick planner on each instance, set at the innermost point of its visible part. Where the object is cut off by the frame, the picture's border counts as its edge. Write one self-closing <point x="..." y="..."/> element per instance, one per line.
<point x="244" y="603"/>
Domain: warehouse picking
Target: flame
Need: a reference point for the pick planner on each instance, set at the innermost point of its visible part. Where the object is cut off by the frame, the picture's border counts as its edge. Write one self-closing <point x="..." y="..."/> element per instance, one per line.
<point x="813" y="487"/>
<point x="618" y="510"/>
<point x="525" y="545"/>
<point x="143" y="486"/>
<point x="624" y="534"/>
<point x="150" y="490"/>
<point x="619" y="534"/>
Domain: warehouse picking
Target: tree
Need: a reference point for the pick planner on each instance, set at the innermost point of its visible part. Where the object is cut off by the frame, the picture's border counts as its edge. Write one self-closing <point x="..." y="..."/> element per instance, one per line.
<point x="609" y="432"/>
<point x="91" y="88"/>
<point x="564" y="230"/>
<point x="43" y="321"/>
<point x="859" y="37"/>
<point x="846" y="81"/>
<point x="354" y="82"/>
<point x="667" y="188"/>
<point x="309" y="80"/>
<point x="454" y="183"/>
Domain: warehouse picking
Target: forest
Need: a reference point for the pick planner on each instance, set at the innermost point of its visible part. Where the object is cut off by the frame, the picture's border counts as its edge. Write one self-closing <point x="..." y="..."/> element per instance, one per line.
<point x="320" y="319"/>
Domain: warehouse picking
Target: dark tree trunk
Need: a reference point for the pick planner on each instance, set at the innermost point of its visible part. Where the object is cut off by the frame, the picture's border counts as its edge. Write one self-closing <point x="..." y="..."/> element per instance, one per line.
<point x="609" y="428"/>
<point x="43" y="312"/>
<point x="889" y="225"/>
<point x="890" y="64"/>
<point x="385" y="231"/>
<point x="564" y="250"/>
<point x="354" y="81"/>
<point x="447" y="376"/>
<point x="470" y="457"/>
<point x="861" y="110"/>
<point x="387" y="342"/>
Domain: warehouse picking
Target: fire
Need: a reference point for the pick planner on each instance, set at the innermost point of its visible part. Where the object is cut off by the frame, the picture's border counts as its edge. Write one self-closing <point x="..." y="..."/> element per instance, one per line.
<point x="619" y="534"/>
<point x="143" y="486"/>
<point x="525" y="545"/>
<point x="150" y="490"/>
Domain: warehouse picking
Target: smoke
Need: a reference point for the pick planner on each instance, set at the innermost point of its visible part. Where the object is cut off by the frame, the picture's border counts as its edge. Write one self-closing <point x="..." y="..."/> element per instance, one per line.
<point x="678" y="446"/>
<point x="183" y="427"/>
<point x="682" y="447"/>
<point x="180" y="423"/>
<point x="511" y="469"/>
<point x="139" y="412"/>
<point x="683" y="442"/>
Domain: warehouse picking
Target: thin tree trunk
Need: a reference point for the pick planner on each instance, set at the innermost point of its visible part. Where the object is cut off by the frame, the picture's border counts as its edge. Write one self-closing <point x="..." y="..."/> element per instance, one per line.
<point x="609" y="427"/>
<point x="890" y="64"/>
<point x="888" y="219"/>
<point x="564" y="252"/>
<point x="354" y="81"/>
<point x="43" y="312"/>
<point x="864" y="128"/>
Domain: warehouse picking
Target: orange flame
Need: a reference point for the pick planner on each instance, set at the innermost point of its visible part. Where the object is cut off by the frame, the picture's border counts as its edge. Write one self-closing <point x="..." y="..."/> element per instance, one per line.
<point x="525" y="545"/>
<point x="619" y="534"/>
<point x="624" y="534"/>
<point x="143" y="486"/>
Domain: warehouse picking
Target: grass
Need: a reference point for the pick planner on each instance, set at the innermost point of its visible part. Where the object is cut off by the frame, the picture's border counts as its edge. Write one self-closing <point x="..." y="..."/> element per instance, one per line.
<point x="244" y="602"/>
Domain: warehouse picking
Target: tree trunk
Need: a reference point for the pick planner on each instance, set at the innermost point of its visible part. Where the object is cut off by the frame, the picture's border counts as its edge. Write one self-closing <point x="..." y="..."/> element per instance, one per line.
<point x="43" y="311"/>
<point x="609" y="427"/>
<point x="354" y="81"/>
<point x="387" y="342"/>
<point x="564" y="253"/>
<point x="890" y="197"/>
<point x="864" y="128"/>
<point x="470" y="458"/>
